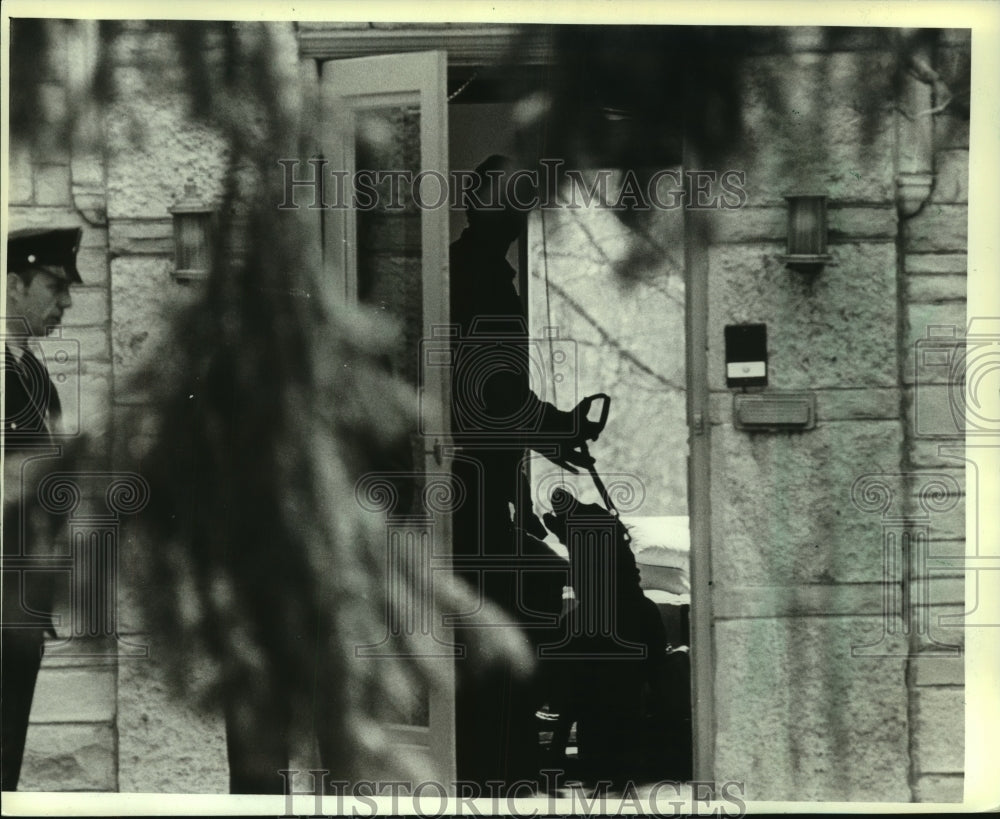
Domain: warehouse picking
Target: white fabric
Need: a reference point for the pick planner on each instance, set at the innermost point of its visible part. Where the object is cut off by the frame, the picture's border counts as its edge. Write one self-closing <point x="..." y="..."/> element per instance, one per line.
<point x="661" y="545"/>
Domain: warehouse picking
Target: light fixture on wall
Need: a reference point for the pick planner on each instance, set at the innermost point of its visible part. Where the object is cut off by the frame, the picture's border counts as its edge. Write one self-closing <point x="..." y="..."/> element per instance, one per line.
<point x="193" y="221"/>
<point x="806" y="233"/>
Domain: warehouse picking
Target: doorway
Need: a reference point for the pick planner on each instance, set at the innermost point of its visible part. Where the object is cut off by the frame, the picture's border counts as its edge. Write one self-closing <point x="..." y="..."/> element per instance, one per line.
<point x="598" y="331"/>
<point x="595" y="330"/>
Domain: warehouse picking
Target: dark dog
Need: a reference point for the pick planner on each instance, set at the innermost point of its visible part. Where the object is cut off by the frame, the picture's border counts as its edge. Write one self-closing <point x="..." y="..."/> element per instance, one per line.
<point x="613" y="643"/>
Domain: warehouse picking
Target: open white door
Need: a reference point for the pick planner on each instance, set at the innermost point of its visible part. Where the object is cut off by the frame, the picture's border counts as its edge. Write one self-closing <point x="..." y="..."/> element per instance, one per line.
<point x="389" y="114"/>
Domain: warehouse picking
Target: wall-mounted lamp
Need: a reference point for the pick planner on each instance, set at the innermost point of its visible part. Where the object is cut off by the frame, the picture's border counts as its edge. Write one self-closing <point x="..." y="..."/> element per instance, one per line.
<point x="193" y="219"/>
<point x="806" y="233"/>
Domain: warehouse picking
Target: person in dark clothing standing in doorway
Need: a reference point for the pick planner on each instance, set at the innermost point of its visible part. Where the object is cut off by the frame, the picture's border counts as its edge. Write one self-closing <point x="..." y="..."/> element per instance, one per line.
<point x="41" y="267"/>
<point x="496" y="418"/>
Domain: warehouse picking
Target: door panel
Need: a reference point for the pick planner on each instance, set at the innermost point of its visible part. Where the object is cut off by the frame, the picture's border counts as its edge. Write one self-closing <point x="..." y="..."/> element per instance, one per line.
<point x="388" y="113"/>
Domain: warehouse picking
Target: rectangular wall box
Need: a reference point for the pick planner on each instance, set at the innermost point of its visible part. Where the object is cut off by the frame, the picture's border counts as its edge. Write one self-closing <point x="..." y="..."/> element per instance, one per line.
<point x="774" y="411"/>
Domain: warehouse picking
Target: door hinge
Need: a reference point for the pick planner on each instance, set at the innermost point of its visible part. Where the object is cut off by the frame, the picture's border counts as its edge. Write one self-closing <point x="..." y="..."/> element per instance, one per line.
<point x="698" y="423"/>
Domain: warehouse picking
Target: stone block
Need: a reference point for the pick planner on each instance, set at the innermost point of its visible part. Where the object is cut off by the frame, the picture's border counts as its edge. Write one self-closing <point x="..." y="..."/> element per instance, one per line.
<point x="938" y="670"/>
<point x="847" y="405"/>
<point x="806" y="600"/>
<point x="931" y="289"/>
<point x="937" y="501"/>
<point x="798" y="718"/>
<point x="95" y="404"/>
<point x="135" y="425"/>
<point x="936" y="452"/>
<point x="54" y="148"/>
<point x="847" y="223"/>
<point x="133" y="590"/>
<point x="939" y="730"/>
<point x="90" y="307"/>
<point x="783" y="512"/>
<point x="935" y="411"/>
<point x="92" y="206"/>
<point x="51" y="102"/>
<point x="134" y="237"/>
<point x="52" y="185"/>
<point x="86" y="399"/>
<point x="951" y="176"/>
<point x="949" y="524"/>
<point x="934" y="788"/>
<point x="92" y="262"/>
<point x="92" y="341"/>
<point x="947" y="624"/>
<point x="74" y="695"/>
<point x="20" y="188"/>
<point x="154" y="147"/>
<point x="836" y="329"/>
<point x="44" y="216"/>
<point x="809" y="135"/>
<point x="88" y="652"/>
<point x="941" y="624"/>
<point x="936" y="263"/>
<point x="165" y="745"/>
<point x="144" y="296"/>
<point x="750" y="224"/>
<point x="87" y="171"/>
<point x="937" y="227"/>
<point x="63" y="757"/>
<point x="941" y="590"/>
<point x="94" y="238"/>
<point x="54" y="66"/>
<point x="938" y="486"/>
<point x="940" y="326"/>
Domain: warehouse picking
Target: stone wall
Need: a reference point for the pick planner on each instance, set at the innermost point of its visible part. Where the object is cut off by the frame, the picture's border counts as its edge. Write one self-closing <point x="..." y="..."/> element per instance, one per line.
<point x="826" y="689"/>
<point x="933" y="246"/>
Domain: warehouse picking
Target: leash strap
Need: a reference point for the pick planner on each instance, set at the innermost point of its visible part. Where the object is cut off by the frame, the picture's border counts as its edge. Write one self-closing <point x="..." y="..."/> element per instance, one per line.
<point x="601" y="488"/>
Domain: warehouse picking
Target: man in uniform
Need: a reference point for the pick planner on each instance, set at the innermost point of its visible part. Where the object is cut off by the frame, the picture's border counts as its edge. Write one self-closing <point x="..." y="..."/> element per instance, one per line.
<point x="41" y="267"/>
<point x="496" y="417"/>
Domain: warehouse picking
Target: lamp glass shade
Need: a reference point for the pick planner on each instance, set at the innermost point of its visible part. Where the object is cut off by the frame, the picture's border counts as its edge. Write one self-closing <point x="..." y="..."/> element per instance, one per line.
<point x="191" y="243"/>
<point x="806" y="225"/>
<point x="193" y="220"/>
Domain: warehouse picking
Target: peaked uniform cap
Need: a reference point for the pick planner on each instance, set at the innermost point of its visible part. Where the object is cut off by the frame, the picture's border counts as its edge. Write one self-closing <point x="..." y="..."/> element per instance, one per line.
<point x="50" y="249"/>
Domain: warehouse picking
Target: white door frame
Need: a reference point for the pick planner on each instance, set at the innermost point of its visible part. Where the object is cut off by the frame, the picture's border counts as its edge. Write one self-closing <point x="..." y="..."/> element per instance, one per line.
<point x="346" y="87"/>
